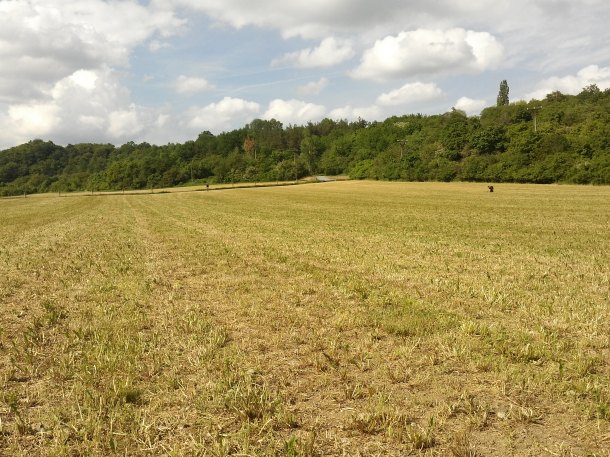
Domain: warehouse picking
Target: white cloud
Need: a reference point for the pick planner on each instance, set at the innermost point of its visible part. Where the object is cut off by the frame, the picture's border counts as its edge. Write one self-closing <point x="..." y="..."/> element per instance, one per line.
<point x="223" y="115"/>
<point x="65" y="64"/>
<point x="527" y="27"/>
<point x="332" y="51"/>
<point x="428" y="52"/>
<point x="35" y="119"/>
<point x="369" y="113"/>
<point x="322" y="18"/>
<point x="191" y="85"/>
<point x="125" y="122"/>
<point x="313" y="87"/>
<point x="294" y="111"/>
<point x="127" y="23"/>
<point x="309" y="19"/>
<point x="56" y="78"/>
<point x="86" y="106"/>
<point x="573" y="84"/>
<point x="156" y="45"/>
<point x="410" y="93"/>
<point x="42" y="42"/>
<point x="92" y="121"/>
<point x="85" y="79"/>
<point x="415" y="95"/>
<point x="470" y="106"/>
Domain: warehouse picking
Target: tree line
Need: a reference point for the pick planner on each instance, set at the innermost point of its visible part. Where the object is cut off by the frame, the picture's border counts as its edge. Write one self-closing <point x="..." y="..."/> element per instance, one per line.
<point x="562" y="138"/>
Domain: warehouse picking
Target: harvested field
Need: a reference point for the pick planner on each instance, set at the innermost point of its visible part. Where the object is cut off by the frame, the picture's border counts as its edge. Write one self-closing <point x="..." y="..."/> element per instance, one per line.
<point x="344" y="318"/>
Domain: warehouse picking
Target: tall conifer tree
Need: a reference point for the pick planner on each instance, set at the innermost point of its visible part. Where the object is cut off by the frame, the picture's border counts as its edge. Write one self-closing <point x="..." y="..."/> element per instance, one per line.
<point x="503" y="94"/>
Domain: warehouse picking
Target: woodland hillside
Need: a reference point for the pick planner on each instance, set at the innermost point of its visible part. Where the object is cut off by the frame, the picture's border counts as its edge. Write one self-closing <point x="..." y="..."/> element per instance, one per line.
<point x="561" y="139"/>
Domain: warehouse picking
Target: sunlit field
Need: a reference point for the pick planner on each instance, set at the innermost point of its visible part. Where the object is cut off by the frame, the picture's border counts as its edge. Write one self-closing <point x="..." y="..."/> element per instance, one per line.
<point x="346" y="318"/>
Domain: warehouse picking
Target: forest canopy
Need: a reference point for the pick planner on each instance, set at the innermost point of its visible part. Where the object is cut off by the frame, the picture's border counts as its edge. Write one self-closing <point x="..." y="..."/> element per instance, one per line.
<point x="561" y="139"/>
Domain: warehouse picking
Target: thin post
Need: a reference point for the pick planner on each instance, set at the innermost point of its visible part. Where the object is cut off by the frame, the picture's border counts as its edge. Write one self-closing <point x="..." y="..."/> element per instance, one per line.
<point x="534" y="110"/>
<point x="402" y="144"/>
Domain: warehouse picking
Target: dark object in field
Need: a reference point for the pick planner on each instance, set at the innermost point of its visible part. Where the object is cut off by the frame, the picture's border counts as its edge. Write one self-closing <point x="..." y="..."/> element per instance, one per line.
<point x="207" y="186"/>
<point x="491" y="188"/>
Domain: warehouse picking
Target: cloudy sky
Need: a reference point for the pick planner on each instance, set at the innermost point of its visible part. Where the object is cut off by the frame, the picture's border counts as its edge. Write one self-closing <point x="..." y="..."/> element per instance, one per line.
<point x="165" y="70"/>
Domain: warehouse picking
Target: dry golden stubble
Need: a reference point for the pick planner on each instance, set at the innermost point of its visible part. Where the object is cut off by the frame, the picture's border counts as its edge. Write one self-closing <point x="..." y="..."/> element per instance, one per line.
<point x="461" y="309"/>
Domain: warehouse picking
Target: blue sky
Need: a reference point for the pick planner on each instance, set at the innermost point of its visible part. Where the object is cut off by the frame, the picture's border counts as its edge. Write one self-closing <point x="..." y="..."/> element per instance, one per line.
<point x="165" y="70"/>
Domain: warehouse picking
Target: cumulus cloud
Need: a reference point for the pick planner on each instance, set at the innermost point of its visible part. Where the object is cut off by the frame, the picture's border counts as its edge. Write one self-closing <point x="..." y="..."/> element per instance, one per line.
<point x="573" y="84"/>
<point x="309" y="19"/>
<point x="222" y="115"/>
<point x="44" y="41"/>
<point x="191" y="85"/>
<point x="156" y="45"/>
<point x="294" y="111"/>
<point x="470" y="106"/>
<point x="417" y="95"/>
<point x="428" y="52"/>
<point x="313" y="87"/>
<point x="526" y="26"/>
<point x="88" y="105"/>
<point x="332" y="51"/>
<point x="125" y="122"/>
<point x="410" y="93"/>
<point x="322" y="18"/>
<point x="35" y="119"/>
<point x="350" y="113"/>
<point x="56" y="76"/>
<point x="65" y="64"/>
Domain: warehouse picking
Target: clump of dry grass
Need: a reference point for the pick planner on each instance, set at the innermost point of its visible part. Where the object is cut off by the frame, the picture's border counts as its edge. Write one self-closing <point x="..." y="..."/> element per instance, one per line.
<point x="462" y="446"/>
<point x="379" y="421"/>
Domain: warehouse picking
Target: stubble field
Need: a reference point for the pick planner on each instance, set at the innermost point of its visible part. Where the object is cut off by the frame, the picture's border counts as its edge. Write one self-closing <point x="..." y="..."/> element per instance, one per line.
<point x="348" y="318"/>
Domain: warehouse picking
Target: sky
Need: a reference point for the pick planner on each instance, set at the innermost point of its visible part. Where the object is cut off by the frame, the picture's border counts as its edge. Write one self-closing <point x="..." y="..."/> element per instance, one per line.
<point x="163" y="71"/>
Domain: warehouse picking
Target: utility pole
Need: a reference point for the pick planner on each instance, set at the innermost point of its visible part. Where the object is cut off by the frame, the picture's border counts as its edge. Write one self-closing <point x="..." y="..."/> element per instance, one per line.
<point x="534" y="110"/>
<point x="402" y="144"/>
<point x="309" y="160"/>
<point x="255" y="168"/>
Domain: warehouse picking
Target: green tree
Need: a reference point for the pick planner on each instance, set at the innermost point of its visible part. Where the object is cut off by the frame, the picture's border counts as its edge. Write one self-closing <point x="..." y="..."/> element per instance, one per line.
<point x="489" y="140"/>
<point x="503" y="94"/>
